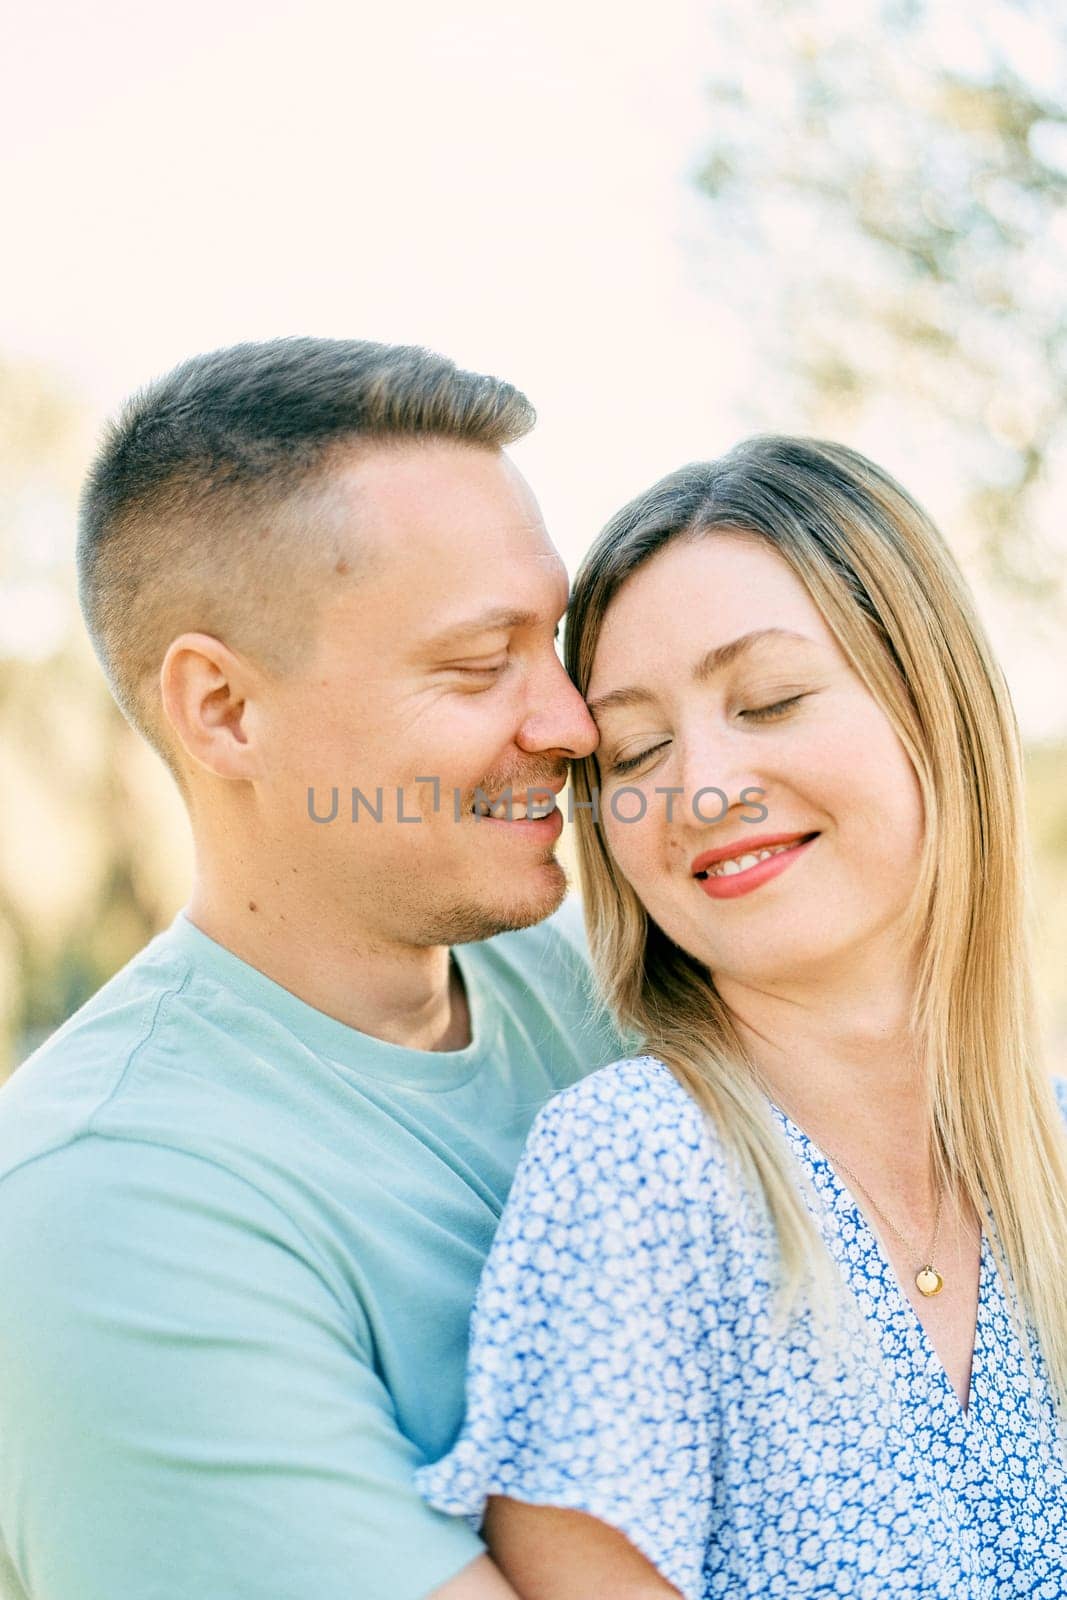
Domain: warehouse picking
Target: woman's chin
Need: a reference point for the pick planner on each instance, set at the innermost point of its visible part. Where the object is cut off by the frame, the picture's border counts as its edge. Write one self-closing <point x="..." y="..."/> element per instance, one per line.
<point x="772" y="958"/>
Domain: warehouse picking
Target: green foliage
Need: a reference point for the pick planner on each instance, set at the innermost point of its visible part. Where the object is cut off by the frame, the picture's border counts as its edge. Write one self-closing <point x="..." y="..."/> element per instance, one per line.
<point x="886" y="185"/>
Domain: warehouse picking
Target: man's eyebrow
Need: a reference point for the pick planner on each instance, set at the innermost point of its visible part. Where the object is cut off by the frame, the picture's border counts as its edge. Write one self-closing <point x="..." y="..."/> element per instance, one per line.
<point x="488" y="622"/>
<point x="717" y="658"/>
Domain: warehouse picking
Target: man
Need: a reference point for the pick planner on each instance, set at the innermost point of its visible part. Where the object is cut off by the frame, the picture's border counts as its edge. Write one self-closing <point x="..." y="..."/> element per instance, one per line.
<point x="245" y="1192"/>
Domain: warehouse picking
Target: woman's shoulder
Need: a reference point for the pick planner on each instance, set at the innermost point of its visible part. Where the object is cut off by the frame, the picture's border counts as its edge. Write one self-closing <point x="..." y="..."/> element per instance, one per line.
<point x="1059" y="1089"/>
<point x="620" y="1181"/>
<point x="633" y="1123"/>
<point x="642" y="1088"/>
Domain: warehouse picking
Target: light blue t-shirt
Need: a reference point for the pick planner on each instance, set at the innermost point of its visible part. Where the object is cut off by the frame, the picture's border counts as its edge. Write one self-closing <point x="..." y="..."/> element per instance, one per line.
<point x="239" y="1243"/>
<point x="623" y="1364"/>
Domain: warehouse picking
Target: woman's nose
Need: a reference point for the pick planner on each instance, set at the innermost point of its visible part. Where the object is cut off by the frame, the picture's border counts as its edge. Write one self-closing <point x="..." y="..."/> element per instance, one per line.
<point x="716" y="773"/>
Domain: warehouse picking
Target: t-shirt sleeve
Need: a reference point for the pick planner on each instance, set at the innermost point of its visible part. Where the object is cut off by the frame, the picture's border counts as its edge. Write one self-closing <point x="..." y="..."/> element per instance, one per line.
<point x="187" y="1406"/>
<point x="601" y="1038"/>
<point x="591" y="1375"/>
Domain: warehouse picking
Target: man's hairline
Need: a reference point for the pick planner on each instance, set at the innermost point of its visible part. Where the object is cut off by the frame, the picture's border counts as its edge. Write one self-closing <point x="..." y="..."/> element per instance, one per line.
<point x="323" y="478"/>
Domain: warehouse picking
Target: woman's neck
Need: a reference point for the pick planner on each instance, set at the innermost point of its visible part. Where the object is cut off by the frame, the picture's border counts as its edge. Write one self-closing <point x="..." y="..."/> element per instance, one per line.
<point x="845" y="1063"/>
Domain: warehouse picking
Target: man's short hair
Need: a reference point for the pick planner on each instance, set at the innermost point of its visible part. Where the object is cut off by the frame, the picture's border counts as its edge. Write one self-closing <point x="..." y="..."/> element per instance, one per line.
<point x="206" y="507"/>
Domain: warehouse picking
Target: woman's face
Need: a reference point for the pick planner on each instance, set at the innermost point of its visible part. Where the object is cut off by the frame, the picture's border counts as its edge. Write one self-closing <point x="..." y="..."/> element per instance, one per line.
<point x="720" y="673"/>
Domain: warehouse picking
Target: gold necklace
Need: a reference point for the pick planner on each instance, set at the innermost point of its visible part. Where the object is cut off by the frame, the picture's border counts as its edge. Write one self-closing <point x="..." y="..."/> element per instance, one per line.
<point x="928" y="1280"/>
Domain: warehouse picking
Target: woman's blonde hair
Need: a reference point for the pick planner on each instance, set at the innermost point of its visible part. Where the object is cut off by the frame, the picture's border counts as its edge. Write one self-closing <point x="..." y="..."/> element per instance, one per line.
<point x="892" y="594"/>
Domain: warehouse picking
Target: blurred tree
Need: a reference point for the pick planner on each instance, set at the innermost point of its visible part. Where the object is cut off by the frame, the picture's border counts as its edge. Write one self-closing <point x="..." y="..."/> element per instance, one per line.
<point x="887" y="185"/>
<point x="84" y="807"/>
<point x="886" y="235"/>
<point x="1046" y="803"/>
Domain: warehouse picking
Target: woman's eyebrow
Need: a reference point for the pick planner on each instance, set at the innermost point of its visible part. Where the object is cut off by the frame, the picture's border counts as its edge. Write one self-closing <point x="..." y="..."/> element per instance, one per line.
<point x="618" y="698"/>
<point x="720" y="656"/>
<point x="723" y="654"/>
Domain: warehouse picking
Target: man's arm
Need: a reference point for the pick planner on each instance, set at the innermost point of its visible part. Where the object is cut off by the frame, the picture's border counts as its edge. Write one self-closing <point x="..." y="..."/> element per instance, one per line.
<point x="186" y="1406"/>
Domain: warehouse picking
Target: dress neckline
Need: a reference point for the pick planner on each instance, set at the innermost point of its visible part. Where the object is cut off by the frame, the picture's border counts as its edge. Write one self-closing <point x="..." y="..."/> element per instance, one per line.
<point x="902" y="1311"/>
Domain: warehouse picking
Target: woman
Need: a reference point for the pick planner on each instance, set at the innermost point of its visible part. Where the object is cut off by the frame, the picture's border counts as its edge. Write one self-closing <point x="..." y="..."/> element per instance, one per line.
<point x="777" y="1307"/>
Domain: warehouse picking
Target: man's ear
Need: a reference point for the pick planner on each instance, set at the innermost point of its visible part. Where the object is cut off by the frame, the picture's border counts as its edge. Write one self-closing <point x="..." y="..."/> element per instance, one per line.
<point x="206" y="690"/>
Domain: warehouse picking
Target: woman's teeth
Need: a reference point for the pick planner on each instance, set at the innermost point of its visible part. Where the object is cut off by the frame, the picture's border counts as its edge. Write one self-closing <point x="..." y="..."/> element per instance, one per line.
<point x="726" y="869"/>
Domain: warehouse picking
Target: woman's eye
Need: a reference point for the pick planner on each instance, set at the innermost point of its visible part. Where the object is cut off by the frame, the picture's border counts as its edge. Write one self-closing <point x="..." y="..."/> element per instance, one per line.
<point x="631" y="763"/>
<point x="768" y="713"/>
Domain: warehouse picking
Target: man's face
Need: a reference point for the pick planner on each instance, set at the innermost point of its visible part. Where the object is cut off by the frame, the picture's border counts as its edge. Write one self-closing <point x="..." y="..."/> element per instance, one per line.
<point x="435" y="661"/>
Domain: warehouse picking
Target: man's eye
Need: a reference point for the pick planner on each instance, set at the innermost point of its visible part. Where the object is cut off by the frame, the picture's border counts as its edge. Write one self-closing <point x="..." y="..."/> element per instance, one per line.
<point x="489" y="670"/>
<point x="631" y="763"/>
<point x="768" y="713"/>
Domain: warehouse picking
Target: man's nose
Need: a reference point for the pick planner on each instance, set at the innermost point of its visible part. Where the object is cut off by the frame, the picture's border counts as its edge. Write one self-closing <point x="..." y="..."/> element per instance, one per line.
<point x="557" y="717"/>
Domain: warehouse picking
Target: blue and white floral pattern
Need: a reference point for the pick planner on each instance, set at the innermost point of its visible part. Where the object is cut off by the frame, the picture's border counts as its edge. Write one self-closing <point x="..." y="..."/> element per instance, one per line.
<point x="623" y="1363"/>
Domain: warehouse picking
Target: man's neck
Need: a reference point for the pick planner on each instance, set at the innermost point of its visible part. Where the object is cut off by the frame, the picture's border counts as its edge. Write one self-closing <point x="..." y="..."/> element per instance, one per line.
<point x="406" y="995"/>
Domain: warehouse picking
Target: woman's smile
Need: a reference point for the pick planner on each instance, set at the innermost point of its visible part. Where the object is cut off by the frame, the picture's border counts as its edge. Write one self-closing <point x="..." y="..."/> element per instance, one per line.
<point x="748" y="691"/>
<point x="724" y="876"/>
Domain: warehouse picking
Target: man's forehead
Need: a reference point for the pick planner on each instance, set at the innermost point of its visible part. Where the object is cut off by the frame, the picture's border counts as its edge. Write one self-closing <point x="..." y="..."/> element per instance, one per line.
<point x="439" y="501"/>
<point x="497" y="618"/>
<point x="536" y="599"/>
<point x="451" y="539"/>
<point x="421" y="478"/>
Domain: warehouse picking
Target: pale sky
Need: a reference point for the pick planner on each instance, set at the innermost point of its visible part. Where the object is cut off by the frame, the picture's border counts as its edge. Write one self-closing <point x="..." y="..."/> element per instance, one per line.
<point x="508" y="184"/>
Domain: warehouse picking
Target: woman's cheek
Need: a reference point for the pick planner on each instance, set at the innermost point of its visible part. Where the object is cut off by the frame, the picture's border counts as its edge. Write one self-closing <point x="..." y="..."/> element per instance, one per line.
<point x="635" y="849"/>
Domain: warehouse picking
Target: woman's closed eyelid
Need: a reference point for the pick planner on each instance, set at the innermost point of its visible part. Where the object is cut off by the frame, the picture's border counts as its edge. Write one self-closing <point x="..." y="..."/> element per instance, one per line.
<point x="628" y="763"/>
<point x="769" y="712"/>
<point x="777" y="707"/>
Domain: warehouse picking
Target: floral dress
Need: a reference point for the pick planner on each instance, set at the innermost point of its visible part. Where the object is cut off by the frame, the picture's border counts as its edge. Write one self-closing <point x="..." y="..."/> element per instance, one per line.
<point x="623" y="1363"/>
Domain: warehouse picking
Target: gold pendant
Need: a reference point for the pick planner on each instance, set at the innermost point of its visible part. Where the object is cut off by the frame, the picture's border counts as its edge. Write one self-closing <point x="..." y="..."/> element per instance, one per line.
<point x="928" y="1281"/>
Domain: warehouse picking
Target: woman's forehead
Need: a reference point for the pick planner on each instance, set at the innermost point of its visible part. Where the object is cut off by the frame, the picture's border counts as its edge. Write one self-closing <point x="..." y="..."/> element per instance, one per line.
<point x="700" y="595"/>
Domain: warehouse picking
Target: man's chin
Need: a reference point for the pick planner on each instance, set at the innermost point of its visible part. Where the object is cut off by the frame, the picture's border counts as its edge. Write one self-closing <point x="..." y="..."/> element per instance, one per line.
<point x="470" y="921"/>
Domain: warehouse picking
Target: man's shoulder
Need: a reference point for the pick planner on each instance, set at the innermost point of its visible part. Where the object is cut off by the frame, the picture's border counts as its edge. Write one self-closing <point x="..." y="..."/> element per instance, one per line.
<point x="560" y="937"/>
<point x="545" y="967"/>
<point x="54" y="1096"/>
<point x="543" y="977"/>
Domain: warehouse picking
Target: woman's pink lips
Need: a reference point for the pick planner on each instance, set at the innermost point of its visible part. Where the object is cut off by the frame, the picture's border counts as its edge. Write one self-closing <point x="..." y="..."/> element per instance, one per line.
<point x="739" y="883"/>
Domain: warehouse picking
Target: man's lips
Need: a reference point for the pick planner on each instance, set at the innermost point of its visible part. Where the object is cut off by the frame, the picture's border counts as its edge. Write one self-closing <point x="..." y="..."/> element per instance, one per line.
<point x="743" y="847"/>
<point x="505" y="802"/>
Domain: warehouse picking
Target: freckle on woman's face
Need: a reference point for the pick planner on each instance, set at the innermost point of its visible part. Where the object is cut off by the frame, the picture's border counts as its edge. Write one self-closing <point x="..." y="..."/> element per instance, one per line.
<point x="828" y="761"/>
